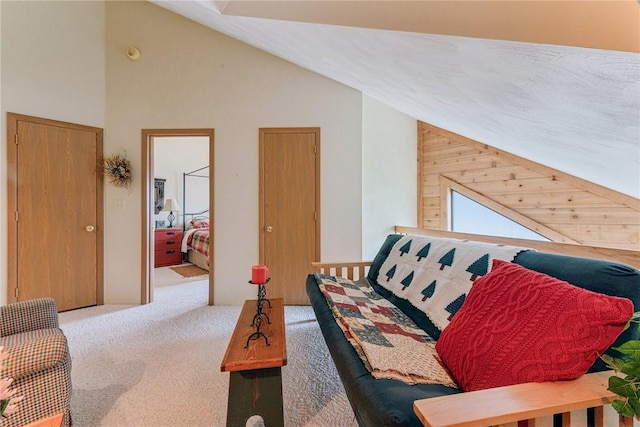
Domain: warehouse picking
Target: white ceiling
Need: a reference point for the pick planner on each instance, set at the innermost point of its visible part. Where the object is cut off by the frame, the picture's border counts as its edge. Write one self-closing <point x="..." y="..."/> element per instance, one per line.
<point x="575" y="109"/>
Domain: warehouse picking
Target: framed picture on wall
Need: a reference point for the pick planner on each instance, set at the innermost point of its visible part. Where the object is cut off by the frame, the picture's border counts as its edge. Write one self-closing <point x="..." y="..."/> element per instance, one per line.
<point x="158" y="194"/>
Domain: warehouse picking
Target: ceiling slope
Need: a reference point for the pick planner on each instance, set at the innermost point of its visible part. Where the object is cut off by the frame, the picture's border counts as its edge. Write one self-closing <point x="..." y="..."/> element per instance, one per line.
<point x="568" y="23"/>
<point x="574" y="109"/>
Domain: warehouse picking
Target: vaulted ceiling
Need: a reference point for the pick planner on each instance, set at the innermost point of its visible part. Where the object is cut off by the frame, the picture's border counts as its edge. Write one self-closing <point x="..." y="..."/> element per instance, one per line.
<point x="557" y="82"/>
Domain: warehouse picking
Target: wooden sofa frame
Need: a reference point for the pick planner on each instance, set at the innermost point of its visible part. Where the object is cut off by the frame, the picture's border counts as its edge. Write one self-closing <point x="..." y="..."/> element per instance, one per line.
<point x="531" y="404"/>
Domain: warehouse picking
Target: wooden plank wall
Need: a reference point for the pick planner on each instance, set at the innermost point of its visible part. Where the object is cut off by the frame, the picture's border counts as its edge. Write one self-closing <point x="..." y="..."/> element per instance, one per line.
<point x="557" y="205"/>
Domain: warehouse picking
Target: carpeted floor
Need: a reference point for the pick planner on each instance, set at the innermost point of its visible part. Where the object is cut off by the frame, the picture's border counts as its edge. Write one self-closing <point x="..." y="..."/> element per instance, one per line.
<point x="159" y="364"/>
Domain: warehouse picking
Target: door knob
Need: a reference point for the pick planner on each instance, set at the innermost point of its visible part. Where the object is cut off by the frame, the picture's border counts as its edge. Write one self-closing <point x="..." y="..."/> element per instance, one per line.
<point x="269" y="229"/>
<point x="90" y="228"/>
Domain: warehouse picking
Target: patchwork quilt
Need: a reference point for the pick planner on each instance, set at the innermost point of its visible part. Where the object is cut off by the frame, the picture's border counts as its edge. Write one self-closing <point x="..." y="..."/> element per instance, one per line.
<point x="197" y="239"/>
<point x="388" y="342"/>
<point x="436" y="274"/>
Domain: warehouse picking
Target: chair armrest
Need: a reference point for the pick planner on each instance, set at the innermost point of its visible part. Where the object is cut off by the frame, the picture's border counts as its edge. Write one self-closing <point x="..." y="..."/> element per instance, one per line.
<point x="350" y="270"/>
<point x="25" y="316"/>
<point x="37" y="354"/>
<point x="516" y="403"/>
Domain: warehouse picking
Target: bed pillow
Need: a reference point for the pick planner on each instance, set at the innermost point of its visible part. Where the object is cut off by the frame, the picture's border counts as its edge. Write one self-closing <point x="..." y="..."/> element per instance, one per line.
<point x="518" y="325"/>
<point x="200" y="223"/>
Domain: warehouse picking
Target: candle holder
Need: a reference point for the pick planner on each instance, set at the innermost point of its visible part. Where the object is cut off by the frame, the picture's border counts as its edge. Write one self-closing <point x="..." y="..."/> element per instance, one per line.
<point x="258" y="318"/>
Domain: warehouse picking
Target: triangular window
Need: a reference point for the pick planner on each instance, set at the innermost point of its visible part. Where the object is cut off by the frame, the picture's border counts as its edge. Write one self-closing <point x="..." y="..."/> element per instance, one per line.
<point x="469" y="216"/>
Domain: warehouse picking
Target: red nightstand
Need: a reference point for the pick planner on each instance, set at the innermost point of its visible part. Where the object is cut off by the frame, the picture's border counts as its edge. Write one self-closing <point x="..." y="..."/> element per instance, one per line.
<point x="167" y="246"/>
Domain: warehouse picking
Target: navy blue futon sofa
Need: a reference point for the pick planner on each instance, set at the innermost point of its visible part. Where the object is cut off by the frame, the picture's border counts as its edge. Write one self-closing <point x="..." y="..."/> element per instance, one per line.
<point x="387" y="402"/>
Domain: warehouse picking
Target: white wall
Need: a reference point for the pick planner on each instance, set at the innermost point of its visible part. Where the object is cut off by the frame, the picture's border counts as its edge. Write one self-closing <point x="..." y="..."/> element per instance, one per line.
<point x="189" y="77"/>
<point x="389" y="173"/>
<point x="174" y="156"/>
<point x="53" y="66"/>
<point x="66" y="61"/>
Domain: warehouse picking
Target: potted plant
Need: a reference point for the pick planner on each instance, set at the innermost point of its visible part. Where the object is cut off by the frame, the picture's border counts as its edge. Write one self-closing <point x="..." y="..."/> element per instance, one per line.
<point x="626" y="382"/>
<point x="8" y="403"/>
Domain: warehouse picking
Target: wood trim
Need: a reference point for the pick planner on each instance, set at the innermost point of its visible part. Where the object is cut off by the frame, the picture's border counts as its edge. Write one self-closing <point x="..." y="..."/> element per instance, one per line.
<point x="100" y="218"/>
<point x="146" y="253"/>
<point x="600" y="190"/>
<point x="350" y="270"/>
<point x="445" y="207"/>
<point x="420" y="159"/>
<point x="12" y="206"/>
<point x="449" y="184"/>
<point x="212" y="216"/>
<point x="625" y="256"/>
<point x="517" y="402"/>
<point x="12" y="200"/>
<point x="261" y="190"/>
<point x="146" y="259"/>
<point x="318" y="200"/>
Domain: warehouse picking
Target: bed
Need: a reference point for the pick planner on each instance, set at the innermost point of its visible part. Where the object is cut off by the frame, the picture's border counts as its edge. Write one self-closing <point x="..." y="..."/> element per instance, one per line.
<point x="195" y="241"/>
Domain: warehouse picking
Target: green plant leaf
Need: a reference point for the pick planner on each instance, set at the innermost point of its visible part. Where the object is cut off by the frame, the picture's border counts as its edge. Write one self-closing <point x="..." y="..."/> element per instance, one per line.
<point x="622" y="407"/>
<point x="612" y="362"/>
<point x="635" y="318"/>
<point x="631" y="368"/>
<point x="634" y="402"/>
<point x="631" y="348"/>
<point x="621" y="387"/>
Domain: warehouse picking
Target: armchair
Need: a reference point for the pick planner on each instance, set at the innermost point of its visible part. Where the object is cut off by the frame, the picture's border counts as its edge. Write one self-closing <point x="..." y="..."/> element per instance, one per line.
<point x="39" y="361"/>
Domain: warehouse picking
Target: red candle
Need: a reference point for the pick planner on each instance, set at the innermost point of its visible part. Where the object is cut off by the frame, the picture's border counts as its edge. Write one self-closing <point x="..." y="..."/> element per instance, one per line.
<point x="259" y="274"/>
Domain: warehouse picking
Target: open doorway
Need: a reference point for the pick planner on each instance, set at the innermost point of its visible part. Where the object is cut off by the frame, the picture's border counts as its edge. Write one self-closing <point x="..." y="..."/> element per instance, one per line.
<point x="177" y="198"/>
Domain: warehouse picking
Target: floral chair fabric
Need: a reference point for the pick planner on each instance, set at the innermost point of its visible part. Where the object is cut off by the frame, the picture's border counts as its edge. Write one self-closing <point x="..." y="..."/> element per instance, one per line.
<point x="39" y="361"/>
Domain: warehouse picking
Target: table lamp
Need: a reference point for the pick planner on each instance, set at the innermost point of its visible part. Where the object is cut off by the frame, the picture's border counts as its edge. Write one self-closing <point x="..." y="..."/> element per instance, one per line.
<point x="171" y="205"/>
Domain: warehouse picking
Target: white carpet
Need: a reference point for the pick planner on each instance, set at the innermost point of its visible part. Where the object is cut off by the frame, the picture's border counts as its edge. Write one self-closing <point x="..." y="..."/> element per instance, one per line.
<point x="159" y="364"/>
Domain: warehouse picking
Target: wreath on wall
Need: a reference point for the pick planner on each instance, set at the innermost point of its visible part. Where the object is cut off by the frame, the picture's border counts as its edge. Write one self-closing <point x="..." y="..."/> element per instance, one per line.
<point x="118" y="169"/>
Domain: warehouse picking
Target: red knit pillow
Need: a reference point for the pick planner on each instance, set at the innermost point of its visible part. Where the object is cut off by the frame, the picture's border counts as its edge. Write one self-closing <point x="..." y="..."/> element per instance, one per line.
<point x="517" y="325"/>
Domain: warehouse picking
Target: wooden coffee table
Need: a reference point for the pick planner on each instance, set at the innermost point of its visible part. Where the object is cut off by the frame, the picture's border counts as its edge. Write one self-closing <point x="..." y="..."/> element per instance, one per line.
<point x="255" y="382"/>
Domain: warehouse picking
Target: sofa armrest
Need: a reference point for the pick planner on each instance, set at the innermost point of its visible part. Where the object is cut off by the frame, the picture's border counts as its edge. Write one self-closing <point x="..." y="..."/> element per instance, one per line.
<point x="25" y="316"/>
<point x="37" y="354"/>
<point x="351" y="270"/>
<point x="517" y="402"/>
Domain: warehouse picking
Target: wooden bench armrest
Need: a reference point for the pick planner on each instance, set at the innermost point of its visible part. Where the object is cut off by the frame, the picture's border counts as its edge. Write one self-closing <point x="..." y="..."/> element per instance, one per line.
<point x="350" y="270"/>
<point x="515" y="403"/>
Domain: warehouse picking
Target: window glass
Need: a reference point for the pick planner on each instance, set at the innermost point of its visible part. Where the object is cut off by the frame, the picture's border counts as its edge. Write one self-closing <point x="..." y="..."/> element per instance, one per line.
<point x="468" y="216"/>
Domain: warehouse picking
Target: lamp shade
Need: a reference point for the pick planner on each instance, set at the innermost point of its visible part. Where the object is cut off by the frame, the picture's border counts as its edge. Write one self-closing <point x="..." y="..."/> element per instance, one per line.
<point x="171" y="205"/>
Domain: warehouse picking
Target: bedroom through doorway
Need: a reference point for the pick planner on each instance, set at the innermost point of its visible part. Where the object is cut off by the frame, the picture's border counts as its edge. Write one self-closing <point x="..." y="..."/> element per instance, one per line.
<point x="177" y="208"/>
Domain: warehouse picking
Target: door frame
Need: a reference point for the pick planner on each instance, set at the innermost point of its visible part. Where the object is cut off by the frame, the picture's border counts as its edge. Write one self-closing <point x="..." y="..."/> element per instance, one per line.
<point x="261" y="190"/>
<point x="147" y="177"/>
<point x="12" y="199"/>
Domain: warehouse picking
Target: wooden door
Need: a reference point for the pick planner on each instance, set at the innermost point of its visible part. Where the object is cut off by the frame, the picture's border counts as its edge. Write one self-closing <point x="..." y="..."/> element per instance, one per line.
<point x="56" y="239"/>
<point x="289" y="209"/>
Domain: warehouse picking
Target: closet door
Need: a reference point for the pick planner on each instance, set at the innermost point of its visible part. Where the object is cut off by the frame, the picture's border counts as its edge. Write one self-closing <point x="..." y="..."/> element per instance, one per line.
<point x="289" y="209"/>
<point x="56" y="244"/>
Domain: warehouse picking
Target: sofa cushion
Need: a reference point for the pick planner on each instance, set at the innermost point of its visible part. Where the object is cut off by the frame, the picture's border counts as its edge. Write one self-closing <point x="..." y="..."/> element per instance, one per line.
<point x="606" y="277"/>
<point x="518" y="325"/>
<point x="435" y="274"/>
